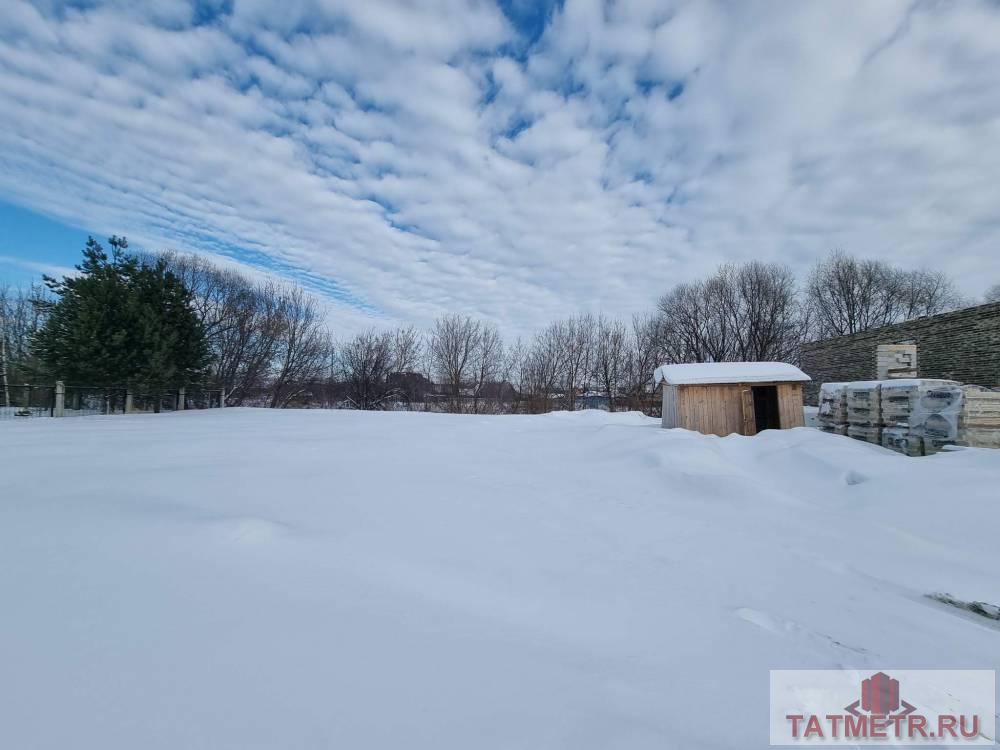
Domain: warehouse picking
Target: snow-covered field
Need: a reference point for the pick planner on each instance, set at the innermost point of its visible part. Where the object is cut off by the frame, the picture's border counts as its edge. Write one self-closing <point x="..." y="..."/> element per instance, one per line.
<point x="317" y="579"/>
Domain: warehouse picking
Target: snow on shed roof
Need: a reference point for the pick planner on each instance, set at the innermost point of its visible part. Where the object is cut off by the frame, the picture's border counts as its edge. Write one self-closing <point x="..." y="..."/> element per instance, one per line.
<point x="703" y="373"/>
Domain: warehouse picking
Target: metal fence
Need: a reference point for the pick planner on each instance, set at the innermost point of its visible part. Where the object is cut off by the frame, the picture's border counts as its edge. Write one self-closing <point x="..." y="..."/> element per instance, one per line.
<point x="204" y="398"/>
<point x="27" y="401"/>
<point x="82" y="401"/>
<point x="31" y="400"/>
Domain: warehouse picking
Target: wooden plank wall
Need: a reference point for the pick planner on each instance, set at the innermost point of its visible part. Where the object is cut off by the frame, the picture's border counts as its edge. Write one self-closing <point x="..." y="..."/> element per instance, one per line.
<point x="669" y="411"/>
<point x="718" y="409"/>
<point x="790" y="405"/>
<point x="711" y="409"/>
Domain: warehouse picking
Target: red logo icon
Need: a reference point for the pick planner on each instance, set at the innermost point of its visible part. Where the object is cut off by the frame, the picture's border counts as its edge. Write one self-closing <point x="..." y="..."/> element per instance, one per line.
<point x="880" y="697"/>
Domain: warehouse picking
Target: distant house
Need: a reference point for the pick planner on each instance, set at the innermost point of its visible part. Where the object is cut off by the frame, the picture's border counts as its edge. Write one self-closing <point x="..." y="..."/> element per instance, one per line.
<point x="498" y="391"/>
<point x="413" y="387"/>
<point x="721" y="398"/>
<point x="592" y="400"/>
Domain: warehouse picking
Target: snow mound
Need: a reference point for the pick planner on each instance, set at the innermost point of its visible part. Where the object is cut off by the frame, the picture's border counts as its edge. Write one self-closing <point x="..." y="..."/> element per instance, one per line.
<point x="260" y="579"/>
<point x="247" y="530"/>
<point x="598" y="416"/>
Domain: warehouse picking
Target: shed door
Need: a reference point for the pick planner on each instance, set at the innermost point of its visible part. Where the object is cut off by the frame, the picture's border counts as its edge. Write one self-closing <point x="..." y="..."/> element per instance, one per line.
<point x="749" y="420"/>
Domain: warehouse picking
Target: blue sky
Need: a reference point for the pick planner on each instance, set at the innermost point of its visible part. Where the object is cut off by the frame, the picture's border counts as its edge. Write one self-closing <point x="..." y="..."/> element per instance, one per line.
<point x="517" y="161"/>
<point x="32" y="243"/>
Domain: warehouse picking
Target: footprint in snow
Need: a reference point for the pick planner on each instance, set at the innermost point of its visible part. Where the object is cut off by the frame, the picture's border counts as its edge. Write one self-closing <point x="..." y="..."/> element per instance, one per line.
<point x="781" y="626"/>
<point x="763" y="620"/>
<point x="852" y="477"/>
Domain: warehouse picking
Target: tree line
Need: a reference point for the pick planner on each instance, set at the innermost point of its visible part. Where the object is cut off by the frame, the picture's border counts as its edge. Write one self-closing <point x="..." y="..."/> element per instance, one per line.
<point x="165" y="320"/>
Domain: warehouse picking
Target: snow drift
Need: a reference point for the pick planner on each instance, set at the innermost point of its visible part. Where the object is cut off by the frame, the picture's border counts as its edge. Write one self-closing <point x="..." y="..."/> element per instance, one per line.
<point x="314" y="579"/>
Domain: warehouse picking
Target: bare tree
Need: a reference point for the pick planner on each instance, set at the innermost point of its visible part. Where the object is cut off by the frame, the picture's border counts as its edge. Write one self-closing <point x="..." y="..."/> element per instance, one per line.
<point x="543" y="365"/>
<point x="246" y="347"/>
<point x="642" y="357"/>
<point x="578" y="349"/>
<point x="406" y="349"/>
<point x="213" y="288"/>
<point x="514" y="373"/>
<point x="691" y="323"/>
<point x="610" y="358"/>
<point x="452" y="349"/>
<point x="366" y="362"/>
<point x="488" y="364"/>
<point x="22" y="313"/>
<point x="243" y="322"/>
<point x="742" y="312"/>
<point x="376" y="369"/>
<point x="847" y="295"/>
<point x="992" y="294"/>
<point x="303" y="347"/>
<point x="924" y="292"/>
<point x="760" y="307"/>
<point x="747" y="312"/>
<point x="267" y="341"/>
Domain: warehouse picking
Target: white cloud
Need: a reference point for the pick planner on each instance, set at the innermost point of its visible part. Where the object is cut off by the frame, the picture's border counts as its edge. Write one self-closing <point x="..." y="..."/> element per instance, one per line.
<point x="55" y="271"/>
<point x="399" y="148"/>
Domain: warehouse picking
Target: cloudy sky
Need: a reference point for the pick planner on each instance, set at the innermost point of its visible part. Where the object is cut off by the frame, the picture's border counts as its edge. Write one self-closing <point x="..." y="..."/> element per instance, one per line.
<point x="516" y="160"/>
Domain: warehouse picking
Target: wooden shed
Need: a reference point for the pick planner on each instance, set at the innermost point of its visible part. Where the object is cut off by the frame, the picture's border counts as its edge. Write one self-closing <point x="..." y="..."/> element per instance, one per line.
<point x="721" y="398"/>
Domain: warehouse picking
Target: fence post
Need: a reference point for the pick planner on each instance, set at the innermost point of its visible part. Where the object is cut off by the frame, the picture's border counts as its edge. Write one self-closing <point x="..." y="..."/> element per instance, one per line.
<point x="59" y="408"/>
<point x="180" y="399"/>
<point x="222" y="399"/>
<point x="128" y="401"/>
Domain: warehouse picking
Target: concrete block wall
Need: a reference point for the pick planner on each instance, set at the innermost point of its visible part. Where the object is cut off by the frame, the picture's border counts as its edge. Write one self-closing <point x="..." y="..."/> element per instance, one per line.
<point x="963" y="345"/>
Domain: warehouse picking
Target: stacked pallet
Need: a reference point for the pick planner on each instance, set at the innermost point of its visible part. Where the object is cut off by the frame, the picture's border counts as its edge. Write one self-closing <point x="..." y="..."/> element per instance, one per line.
<point x="896" y="361"/>
<point x="900" y="440"/>
<point x="833" y="408"/>
<point x="864" y="421"/>
<point x="979" y="421"/>
<point x="920" y="416"/>
<point x="913" y="416"/>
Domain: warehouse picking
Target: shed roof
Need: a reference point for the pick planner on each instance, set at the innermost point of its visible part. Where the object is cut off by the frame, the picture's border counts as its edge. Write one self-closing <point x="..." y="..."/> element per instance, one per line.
<point x="703" y="373"/>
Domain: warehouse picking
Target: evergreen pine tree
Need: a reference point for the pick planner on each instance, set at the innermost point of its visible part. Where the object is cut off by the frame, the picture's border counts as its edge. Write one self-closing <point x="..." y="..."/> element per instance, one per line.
<point x="169" y="340"/>
<point x="85" y="336"/>
<point x="119" y="322"/>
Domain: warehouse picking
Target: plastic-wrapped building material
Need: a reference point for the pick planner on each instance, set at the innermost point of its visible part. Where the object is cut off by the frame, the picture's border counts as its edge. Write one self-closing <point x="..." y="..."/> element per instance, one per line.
<point x="979" y="437"/>
<point x="928" y="407"/>
<point x="900" y="440"/>
<point x="901" y="397"/>
<point x="864" y="403"/>
<point x="934" y="445"/>
<point x="868" y="433"/>
<point x="833" y="404"/>
<point x="914" y="416"/>
<point x="920" y="416"/>
<point x="936" y="412"/>
<point x="979" y="422"/>
<point x="982" y="406"/>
